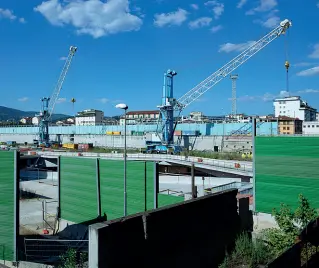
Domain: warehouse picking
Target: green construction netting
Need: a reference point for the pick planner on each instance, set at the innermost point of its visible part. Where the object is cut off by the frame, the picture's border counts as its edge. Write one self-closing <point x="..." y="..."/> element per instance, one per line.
<point x="286" y="167"/>
<point x="78" y="189"/>
<point x="140" y="179"/>
<point x="7" y="205"/>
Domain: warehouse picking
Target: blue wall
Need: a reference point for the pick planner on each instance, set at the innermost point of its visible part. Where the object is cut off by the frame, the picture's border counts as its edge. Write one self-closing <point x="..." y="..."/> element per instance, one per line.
<point x="205" y="129"/>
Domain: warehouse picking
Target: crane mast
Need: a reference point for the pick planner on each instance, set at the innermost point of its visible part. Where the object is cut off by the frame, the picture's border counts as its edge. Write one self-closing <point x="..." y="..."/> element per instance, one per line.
<point x="171" y="104"/>
<point x="48" y="104"/>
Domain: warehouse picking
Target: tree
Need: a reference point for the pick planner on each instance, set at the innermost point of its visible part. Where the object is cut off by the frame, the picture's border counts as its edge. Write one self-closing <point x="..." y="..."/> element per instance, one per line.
<point x="290" y="225"/>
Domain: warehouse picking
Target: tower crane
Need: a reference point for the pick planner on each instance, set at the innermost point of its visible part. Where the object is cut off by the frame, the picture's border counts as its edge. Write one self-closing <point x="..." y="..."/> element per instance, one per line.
<point x="48" y="104"/>
<point x="170" y="104"/>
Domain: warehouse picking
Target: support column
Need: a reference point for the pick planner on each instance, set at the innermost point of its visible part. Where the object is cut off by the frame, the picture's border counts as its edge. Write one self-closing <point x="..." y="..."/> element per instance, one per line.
<point x="194" y="188"/>
<point x="254" y="161"/>
<point x="98" y="188"/>
<point x="156" y="185"/>
<point x="16" y="205"/>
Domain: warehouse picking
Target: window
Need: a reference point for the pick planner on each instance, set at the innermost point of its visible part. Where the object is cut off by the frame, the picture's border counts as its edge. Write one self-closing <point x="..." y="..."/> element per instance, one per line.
<point x="288" y="128"/>
<point x="313" y="125"/>
<point x="317" y="125"/>
<point x="308" y="125"/>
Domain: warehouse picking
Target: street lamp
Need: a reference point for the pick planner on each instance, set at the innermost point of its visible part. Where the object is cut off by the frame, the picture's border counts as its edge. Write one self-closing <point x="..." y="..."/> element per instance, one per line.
<point x="124" y="107"/>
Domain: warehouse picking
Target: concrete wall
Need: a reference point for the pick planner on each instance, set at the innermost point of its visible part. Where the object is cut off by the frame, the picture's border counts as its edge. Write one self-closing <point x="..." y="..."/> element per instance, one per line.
<point x="194" y="234"/>
<point x="199" y="143"/>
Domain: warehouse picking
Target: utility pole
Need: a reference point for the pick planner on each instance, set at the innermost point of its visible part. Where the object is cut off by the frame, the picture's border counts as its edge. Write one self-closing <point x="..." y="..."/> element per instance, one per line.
<point x="234" y="77"/>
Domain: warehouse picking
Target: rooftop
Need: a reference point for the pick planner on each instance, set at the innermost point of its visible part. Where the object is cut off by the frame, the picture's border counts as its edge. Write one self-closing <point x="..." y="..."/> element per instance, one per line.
<point x="143" y="112"/>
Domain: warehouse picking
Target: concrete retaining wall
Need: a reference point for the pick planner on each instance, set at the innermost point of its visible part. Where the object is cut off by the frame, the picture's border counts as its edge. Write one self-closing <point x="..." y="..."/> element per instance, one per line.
<point x="193" y="234"/>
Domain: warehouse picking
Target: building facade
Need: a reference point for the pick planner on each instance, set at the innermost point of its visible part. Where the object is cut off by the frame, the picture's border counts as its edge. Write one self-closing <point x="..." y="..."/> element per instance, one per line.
<point x="26" y="121"/>
<point x="294" y="107"/>
<point x="138" y="117"/>
<point x="89" y="117"/>
<point x="289" y="126"/>
<point x="310" y="128"/>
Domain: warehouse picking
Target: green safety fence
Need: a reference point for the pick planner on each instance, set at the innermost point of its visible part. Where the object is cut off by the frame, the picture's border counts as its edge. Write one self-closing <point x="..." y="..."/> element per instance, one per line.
<point x="286" y="167"/>
<point x="140" y="187"/>
<point x="7" y="204"/>
<point x="78" y="201"/>
<point x="79" y="194"/>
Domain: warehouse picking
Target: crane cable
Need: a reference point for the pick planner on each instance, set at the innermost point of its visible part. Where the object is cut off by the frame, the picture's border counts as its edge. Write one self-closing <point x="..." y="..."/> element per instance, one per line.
<point x="287" y="64"/>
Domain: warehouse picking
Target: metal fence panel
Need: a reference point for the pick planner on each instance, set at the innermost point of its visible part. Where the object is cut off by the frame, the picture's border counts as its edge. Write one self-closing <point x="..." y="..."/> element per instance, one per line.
<point x="7" y="204"/>
<point x="78" y="199"/>
<point x="286" y="167"/>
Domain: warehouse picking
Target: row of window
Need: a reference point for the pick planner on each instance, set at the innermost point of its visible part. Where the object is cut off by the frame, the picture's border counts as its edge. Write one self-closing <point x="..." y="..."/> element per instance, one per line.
<point x="309" y="126"/>
<point x="282" y="102"/>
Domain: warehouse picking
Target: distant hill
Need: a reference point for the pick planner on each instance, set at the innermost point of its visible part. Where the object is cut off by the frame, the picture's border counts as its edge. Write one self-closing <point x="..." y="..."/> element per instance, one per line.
<point x="14" y="114"/>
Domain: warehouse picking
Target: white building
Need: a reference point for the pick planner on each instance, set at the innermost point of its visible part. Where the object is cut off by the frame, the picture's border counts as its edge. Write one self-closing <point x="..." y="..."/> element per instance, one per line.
<point x="136" y="117"/>
<point x="294" y="107"/>
<point x="310" y="128"/>
<point x="35" y="120"/>
<point x="89" y="117"/>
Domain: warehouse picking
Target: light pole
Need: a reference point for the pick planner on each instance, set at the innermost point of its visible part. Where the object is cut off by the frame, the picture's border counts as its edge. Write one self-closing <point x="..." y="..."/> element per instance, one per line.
<point x="124" y="107"/>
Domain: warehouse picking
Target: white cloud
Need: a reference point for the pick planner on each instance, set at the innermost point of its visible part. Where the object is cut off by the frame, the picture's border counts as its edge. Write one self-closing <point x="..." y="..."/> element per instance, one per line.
<point x="304" y="64"/>
<point x="264" y="5"/>
<point x="8" y="14"/>
<point x="218" y="8"/>
<point x="216" y="29"/>
<point x="199" y="23"/>
<point x="92" y="17"/>
<point x="270" y="96"/>
<point x="24" y="99"/>
<point x="103" y="100"/>
<point x="61" y="100"/>
<point x="309" y="72"/>
<point x="171" y="18"/>
<point x="241" y="3"/>
<point x="309" y="90"/>
<point x="194" y="6"/>
<point x="230" y="47"/>
<point x="63" y="58"/>
<point x="271" y="22"/>
<point x="315" y="53"/>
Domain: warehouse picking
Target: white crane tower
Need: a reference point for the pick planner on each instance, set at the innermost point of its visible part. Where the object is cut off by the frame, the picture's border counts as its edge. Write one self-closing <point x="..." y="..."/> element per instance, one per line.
<point x="234" y="78"/>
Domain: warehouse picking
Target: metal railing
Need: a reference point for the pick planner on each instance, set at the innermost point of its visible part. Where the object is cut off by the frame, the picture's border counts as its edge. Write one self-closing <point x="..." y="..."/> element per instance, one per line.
<point x="241" y="186"/>
<point x="225" y="164"/>
<point x="51" y="250"/>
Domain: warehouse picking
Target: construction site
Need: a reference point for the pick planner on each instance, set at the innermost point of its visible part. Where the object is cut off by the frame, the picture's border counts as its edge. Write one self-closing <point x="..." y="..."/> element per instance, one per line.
<point x="119" y="194"/>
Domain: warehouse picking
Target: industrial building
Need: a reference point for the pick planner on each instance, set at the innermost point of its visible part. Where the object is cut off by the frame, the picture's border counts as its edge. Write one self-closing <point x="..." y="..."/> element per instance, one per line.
<point x="294" y="107"/>
<point x="310" y="128"/>
<point x="90" y="117"/>
<point x="138" y="117"/>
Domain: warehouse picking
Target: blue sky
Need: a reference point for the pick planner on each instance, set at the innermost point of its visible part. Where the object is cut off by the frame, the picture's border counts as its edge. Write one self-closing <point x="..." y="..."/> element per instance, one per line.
<point x="124" y="47"/>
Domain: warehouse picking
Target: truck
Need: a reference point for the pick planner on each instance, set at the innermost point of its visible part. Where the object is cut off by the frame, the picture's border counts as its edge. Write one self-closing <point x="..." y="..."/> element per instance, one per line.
<point x="158" y="148"/>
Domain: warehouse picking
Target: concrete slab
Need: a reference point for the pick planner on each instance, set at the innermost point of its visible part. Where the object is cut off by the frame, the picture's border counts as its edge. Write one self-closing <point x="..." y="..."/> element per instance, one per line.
<point x="31" y="210"/>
